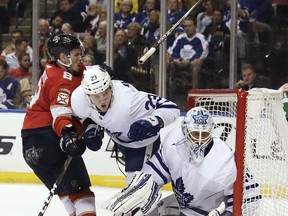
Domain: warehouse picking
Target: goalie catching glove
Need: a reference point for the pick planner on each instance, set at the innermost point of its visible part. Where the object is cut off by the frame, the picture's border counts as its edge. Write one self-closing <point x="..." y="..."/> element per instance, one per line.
<point x="145" y="128"/>
<point x="93" y="136"/>
<point x="70" y="143"/>
<point x="139" y="198"/>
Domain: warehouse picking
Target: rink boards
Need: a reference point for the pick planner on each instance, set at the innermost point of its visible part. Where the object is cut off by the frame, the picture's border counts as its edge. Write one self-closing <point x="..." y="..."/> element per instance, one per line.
<point x="102" y="166"/>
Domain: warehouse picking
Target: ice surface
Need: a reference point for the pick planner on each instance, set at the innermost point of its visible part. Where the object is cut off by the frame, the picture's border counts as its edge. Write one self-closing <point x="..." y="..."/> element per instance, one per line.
<point x="28" y="200"/>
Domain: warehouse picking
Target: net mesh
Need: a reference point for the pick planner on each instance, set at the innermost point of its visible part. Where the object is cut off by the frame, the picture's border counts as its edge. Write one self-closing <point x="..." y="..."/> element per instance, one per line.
<point x="265" y="172"/>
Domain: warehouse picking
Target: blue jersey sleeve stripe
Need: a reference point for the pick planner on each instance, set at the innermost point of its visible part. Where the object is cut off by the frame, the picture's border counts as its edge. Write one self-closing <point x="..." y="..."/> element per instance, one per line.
<point x="159" y="158"/>
<point x="157" y="171"/>
<point x="169" y="106"/>
<point x="229" y="203"/>
<point x="229" y="196"/>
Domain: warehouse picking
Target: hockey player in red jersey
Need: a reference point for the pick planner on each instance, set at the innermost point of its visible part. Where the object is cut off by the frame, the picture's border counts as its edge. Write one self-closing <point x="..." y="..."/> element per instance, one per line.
<point x="50" y="133"/>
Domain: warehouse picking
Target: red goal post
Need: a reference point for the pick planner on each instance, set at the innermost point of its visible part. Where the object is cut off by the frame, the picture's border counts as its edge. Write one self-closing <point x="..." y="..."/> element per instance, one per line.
<point x="253" y="124"/>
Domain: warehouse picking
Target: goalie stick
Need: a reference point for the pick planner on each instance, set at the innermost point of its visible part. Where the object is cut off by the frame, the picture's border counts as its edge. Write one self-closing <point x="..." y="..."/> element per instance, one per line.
<point x="218" y="211"/>
<point x="169" y="206"/>
<point x="164" y="37"/>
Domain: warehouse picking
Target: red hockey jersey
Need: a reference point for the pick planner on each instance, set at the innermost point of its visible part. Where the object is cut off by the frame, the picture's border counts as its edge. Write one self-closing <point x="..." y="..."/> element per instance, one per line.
<point x="50" y="104"/>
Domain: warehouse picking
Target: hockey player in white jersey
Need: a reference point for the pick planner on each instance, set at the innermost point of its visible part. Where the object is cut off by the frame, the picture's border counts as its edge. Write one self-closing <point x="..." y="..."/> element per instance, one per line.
<point x="130" y="117"/>
<point x="200" y="166"/>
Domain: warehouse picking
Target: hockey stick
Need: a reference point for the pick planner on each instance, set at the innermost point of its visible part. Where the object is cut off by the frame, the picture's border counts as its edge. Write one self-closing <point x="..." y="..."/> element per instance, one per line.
<point x="169" y="206"/>
<point x="218" y="211"/>
<point x="55" y="185"/>
<point x="58" y="180"/>
<point x="160" y="41"/>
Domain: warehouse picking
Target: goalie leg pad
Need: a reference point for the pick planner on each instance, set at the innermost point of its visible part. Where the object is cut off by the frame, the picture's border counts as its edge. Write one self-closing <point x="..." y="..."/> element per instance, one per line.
<point x="153" y="200"/>
<point x="135" y="179"/>
<point x="140" y="197"/>
<point x="132" y="197"/>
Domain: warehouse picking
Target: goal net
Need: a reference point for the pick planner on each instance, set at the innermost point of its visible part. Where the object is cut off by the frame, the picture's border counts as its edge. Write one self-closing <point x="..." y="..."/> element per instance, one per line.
<point x="253" y="124"/>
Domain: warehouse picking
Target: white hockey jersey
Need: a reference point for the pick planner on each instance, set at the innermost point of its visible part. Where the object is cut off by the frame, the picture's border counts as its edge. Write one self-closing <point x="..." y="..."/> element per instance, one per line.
<point x="198" y="187"/>
<point x="127" y="106"/>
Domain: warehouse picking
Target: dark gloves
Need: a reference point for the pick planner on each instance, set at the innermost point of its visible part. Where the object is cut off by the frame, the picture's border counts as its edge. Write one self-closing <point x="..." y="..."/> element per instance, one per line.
<point x="70" y="143"/>
<point x="145" y="128"/>
<point x="93" y="136"/>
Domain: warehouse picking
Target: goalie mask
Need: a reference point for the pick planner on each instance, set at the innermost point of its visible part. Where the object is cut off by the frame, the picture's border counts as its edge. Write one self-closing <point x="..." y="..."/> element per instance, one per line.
<point x="197" y="127"/>
<point x="96" y="84"/>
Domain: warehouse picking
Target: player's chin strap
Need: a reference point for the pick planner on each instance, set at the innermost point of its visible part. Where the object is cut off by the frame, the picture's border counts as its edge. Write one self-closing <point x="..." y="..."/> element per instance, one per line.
<point x="139" y="198"/>
<point x="66" y="65"/>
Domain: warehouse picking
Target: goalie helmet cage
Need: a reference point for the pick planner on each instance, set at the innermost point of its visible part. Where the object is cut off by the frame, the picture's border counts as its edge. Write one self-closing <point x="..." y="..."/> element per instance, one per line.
<point x="253" y="124"/>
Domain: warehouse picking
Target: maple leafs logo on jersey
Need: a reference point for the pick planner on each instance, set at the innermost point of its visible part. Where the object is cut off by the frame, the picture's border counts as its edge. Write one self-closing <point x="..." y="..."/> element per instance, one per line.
<point x="200" y="118"/>
<point x="183" y="198"/>
<point x="3" y="96"/>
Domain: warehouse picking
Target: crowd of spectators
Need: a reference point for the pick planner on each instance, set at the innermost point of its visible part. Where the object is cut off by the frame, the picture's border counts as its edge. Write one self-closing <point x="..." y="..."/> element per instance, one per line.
<point x="199" y="45"/>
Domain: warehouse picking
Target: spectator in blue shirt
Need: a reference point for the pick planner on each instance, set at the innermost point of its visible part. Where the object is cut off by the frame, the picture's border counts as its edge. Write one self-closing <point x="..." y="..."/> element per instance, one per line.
<point x="189" y="51"/>
<point x="9" y="89"/>
<point x="174" y="13"/>
<point x="142" y="16"/>
<point x="125" y="15"/>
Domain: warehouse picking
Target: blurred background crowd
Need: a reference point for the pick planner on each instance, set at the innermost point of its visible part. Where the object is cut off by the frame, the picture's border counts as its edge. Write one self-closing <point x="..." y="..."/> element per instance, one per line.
<point x="198" y="51"/>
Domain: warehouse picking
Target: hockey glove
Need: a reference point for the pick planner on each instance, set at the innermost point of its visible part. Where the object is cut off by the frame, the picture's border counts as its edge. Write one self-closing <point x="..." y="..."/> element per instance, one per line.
<point x="93" y="136"/>
<point x="145" y="128"/>
<point x="70" y="143"/>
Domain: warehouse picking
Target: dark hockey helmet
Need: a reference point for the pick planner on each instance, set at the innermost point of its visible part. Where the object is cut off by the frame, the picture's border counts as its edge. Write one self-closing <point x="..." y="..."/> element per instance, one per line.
<point x="63" y="43"/>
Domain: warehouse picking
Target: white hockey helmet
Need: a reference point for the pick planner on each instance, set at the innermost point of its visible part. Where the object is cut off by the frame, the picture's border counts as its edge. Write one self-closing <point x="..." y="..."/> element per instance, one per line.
<point x="197" y="127"/>
<point x="199" y="120"/>
<point x="95" y="80"/>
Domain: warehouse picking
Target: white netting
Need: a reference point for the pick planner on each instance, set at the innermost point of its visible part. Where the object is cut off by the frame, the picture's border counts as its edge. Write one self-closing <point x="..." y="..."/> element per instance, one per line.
<point x="265" y="190"/>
